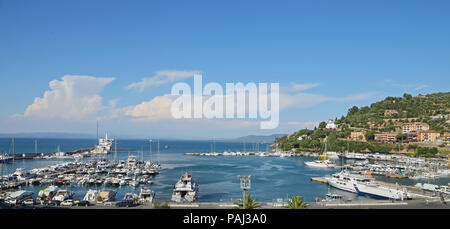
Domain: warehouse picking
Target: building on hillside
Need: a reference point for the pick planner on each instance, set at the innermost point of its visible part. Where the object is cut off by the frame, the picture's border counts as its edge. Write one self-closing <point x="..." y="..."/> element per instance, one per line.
<point x="358" y="135"/>
<point x="412" y="136"/>
<point x="389" y="112"/>
<point x="385" y="137"/>
<point x="330" y="125"/>
<point x="428" y="135"/>
<point x="414" y="126"/>
<point x="446" y="116"/>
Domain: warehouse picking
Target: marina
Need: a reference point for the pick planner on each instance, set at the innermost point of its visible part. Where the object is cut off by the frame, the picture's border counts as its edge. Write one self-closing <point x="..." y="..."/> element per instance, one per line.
<point x="131" y="178"/>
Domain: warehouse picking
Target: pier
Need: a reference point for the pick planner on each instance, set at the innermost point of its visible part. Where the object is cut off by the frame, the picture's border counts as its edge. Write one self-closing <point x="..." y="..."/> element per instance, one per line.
<point x="24" y="156"/>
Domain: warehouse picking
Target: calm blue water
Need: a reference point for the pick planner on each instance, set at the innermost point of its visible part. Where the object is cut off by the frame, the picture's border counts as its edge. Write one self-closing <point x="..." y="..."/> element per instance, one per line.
<point x="272" y="177"/>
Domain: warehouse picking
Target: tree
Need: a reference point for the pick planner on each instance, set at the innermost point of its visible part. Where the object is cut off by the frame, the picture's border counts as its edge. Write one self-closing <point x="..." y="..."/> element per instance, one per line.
<point x="322" y="125"/>
<point x="407" y="96"/>
<point x="370" y="135"/>
<point x="297" y="202"/>
<point x="250" y="203"/>
<point x="353" y="110"/>
<point x="401" y="137"/>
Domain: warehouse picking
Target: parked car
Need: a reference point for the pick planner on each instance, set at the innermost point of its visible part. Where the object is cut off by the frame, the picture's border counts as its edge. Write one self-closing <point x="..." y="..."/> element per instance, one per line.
<point x="68" y="202"/>
<point x="83" y="203"/>
<point x="28" y="202"/>
<point x="125" y="203"/>
<point x="54" y="203"/>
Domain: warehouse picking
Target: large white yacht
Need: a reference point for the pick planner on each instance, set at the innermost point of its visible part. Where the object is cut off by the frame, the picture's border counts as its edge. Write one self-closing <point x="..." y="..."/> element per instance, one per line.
<point x="185" y="189"/>
<point x="104" y="145"/>
<point x="366" y="185"/>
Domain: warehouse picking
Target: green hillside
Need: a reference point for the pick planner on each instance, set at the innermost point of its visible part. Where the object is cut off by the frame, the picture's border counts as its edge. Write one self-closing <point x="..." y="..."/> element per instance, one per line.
<point x="432" y="109"/>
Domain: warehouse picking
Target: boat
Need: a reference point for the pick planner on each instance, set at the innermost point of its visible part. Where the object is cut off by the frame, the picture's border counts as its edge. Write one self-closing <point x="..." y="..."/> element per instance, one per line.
<point x="354" y="156"/>
<point x="320" y="164"/>
<point x="5" y="159"/>
<point x="323" y="162"/>
<point x="185" y="189"/>
<point x="332" y="155"/>
<point x="104" y="145"/>
<point x="48" y="192"/>
<point x="131" y="196"/>
<point x="146" y="195"/>
<point x="366" y="185"/>
<point x="63" y="194"/>
<point x="107" y="195"/>
<point x="91" y="195"/>
<point x="17" y="196"/>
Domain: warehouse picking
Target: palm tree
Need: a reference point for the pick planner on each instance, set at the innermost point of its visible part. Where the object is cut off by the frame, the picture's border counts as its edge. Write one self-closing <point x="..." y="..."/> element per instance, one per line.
<point x="297" y="202"/>
<point x="250" y="203"/>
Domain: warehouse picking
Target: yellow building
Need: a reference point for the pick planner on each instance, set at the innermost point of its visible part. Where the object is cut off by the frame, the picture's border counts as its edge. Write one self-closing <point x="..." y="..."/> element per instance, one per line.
<point x="359" y="135"/>
<point x="428" y="135"/>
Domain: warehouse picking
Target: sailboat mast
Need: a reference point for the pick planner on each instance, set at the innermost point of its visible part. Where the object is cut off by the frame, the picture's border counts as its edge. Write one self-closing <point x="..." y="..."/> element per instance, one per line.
<point x="3" y="162"/>
<point x="13" y="149"/>
<point x="115" y="149"/>
<point x="97" y="134"/>
<point x="150" y="150"/>
<point x="158" y="151"/>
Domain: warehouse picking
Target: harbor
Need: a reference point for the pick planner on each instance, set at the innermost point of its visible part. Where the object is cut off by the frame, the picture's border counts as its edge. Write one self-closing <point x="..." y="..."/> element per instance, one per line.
<point x="128" y="173"/>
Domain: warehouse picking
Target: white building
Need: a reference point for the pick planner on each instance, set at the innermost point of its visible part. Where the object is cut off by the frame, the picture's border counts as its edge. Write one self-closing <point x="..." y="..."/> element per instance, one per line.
<point x="330" y="125"/>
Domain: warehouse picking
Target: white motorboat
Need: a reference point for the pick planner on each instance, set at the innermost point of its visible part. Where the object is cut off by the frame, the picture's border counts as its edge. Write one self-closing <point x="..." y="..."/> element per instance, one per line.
<point x="49" y="192"/>
<point x="107" y="195"/>
<point x="63" y="194"/>
<point x="185" y="189"/>
<point x="320" y="164"/>
<point x="91" y="195"/>
<point x="146" y="195"/>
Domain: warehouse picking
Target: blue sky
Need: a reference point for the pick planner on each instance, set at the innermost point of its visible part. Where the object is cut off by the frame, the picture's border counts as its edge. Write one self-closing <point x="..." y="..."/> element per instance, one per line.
<point x="356" y="51"/>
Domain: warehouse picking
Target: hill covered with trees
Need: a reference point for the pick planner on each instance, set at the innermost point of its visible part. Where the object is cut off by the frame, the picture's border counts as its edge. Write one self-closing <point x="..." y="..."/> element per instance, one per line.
<point x="386" y="116"/>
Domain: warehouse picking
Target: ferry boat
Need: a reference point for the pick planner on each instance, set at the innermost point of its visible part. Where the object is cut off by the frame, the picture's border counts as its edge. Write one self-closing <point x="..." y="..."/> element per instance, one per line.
<point x="366" y="185"/>
<point x="104" y="145"/>
<point x="185" y="189"/>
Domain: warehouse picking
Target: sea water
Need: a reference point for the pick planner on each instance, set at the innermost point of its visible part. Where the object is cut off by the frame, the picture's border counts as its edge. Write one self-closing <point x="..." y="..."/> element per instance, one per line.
<point x="273" y="178"/>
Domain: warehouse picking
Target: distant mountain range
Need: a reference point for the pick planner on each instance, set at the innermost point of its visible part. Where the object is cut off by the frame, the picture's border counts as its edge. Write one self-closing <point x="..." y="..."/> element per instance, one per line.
<point x="249" y="138"/>
<point x="259" y="138"/>
<point x="47" y="135"/>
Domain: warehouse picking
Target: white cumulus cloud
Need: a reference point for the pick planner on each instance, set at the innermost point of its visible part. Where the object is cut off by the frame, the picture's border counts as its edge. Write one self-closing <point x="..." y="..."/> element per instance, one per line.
<point x="73" y="97"/>
<point x="162" y="77"/>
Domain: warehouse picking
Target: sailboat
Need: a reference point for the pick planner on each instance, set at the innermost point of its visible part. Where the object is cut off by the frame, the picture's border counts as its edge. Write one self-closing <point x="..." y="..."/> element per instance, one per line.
<point x="323" y="162"/>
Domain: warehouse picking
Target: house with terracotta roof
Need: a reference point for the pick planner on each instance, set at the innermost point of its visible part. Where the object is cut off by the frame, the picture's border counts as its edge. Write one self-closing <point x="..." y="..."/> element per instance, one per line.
<point x="358" y="135"/>
<point x="414" y="126"/>
<point x="428" y="135"/>
<point x="385" y="137"/>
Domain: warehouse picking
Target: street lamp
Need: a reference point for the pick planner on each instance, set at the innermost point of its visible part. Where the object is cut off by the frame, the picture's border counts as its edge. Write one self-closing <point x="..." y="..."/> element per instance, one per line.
<point x="245" y="186"/>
